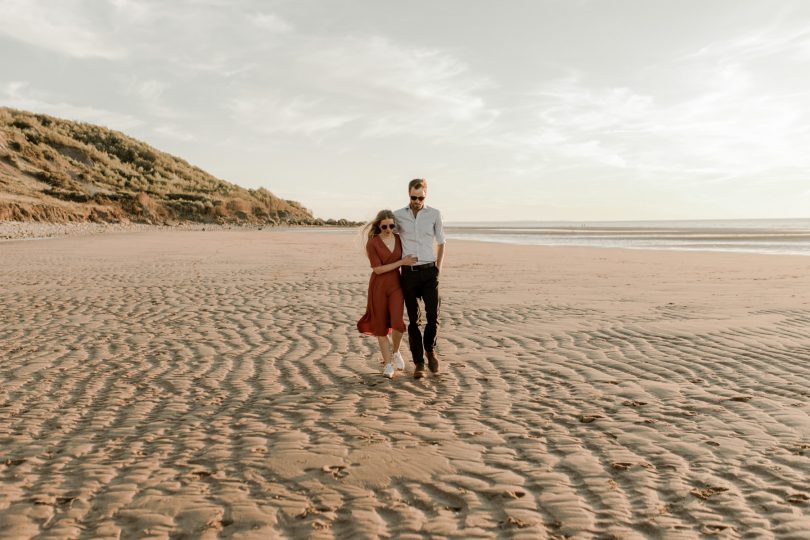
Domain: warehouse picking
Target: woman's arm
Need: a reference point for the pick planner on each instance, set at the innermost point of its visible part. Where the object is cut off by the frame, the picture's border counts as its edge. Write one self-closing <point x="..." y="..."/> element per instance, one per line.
<point x="407" y="260"/>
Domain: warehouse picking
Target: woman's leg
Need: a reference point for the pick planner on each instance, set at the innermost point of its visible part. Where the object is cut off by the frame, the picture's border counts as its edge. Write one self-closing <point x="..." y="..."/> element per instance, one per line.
<point x="396" y="303"/>
<point x="397" y="337"/>
<point x="385" y="348"/>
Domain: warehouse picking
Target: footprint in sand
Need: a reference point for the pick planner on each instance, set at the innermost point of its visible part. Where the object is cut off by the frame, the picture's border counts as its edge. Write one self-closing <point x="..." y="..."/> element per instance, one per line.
<point x="800" y="449"/>
<point x="219" y="523"/>
<point x="621" y="465"/>
<point x="337" y="471"/>
<point x="588" y="418"/>
<point x="714" y="528"/>
<point x="633" y="403"/>
<point x="511" y="522"/>
<point x="706" y="493"/>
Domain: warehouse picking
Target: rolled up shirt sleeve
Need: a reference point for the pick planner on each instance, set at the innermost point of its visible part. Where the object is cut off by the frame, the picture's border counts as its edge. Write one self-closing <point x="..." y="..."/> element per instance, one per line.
<point x="438" y="229"/>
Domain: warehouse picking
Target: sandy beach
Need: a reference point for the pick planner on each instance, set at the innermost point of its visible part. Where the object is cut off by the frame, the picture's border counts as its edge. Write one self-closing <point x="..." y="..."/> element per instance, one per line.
<point x="211" y="384"/>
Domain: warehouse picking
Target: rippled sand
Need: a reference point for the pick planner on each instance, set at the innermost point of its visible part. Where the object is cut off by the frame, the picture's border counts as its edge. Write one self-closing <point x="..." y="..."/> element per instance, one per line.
<point x="212" y="384"/>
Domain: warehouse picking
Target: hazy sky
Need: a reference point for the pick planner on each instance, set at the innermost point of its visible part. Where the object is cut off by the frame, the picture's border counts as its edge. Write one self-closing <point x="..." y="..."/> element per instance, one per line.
<point x="541" y="110"/>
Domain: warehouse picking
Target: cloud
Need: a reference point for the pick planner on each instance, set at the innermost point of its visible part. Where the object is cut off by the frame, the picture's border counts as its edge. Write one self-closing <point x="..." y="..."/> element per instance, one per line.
<point x="404" y="89"/>
<point x="233" y="53"/>
<point x="270" y="115"/>
<point x="19" y="95"/>
<point x="760" y="43"/>
<point x="133" y="10"/>
<point x="208" y="35"/>
<point x="720" y="113"/>
<point x="151" y="95"/>
<point x="380" y="88"/>
<point x="174" y="132"/>
<point x="270" y="22"/>
<point x="149" y="90"/>
<point x="64" y="27"/>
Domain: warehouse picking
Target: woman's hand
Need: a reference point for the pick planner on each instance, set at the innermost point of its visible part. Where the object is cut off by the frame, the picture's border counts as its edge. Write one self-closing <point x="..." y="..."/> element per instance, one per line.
<point x="408" y="260"/>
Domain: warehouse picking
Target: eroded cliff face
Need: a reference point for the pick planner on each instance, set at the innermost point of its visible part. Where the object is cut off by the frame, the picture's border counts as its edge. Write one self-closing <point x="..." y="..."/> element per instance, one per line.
<point x="55" y="170"/>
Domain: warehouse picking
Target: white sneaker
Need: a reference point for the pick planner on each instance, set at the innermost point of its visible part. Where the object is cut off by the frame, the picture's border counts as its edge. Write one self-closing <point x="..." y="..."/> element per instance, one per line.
<point x="389" y="370"/>
<point x="398" y="360"/>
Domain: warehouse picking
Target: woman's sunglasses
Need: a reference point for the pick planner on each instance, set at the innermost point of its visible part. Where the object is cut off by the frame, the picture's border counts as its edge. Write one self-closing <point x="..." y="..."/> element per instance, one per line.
<point x="415" y="198"/>
<point x="386" y="227"/>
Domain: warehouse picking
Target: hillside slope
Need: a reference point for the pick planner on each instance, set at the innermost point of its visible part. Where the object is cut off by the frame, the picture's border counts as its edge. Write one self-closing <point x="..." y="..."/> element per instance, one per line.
<point x="57" y="170"/>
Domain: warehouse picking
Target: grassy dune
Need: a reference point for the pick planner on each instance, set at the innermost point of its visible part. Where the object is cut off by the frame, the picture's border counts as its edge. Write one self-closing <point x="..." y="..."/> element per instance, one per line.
<point x="55" y="170"/>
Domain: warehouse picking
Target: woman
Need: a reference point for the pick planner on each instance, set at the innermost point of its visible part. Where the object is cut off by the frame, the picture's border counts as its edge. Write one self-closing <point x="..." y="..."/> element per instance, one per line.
<point x="385" y="301"/>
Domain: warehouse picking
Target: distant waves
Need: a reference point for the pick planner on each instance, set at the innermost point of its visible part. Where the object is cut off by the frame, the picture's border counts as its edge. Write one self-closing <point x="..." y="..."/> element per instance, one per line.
<point x="778" y="237"/>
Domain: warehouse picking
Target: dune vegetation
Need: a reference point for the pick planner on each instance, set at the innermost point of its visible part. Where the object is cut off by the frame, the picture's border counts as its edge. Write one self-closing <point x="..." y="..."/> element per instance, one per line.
<point x="55" y="170"/>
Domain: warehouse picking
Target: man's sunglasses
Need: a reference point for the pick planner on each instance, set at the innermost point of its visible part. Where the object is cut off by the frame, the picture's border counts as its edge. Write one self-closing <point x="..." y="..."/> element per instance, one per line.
<point x="386" y="227"/>
<point x="415" y="198"/>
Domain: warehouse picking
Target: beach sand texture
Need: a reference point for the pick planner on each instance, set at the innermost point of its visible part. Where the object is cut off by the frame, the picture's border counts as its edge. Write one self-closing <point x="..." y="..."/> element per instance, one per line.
<point x="212" y="384"/>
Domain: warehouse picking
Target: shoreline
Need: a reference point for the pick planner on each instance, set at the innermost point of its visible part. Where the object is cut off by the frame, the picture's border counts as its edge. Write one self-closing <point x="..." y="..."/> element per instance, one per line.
<point x="11" y="231"/>
<point x="665" y="249"/>
<point x="14" y="231"/>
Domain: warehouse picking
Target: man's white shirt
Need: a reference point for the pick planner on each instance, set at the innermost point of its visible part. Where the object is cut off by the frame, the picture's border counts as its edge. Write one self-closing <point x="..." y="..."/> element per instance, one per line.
<point x="418" y="233"/>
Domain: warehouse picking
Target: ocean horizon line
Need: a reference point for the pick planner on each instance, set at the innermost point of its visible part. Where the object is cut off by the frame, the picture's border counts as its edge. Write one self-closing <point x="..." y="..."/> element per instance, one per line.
<point x="685" y="223"/>
<point x="762" y="236"/>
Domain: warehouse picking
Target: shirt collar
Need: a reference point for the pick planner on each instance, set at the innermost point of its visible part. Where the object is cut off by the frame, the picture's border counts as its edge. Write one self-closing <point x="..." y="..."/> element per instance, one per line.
<point x="408" y="208"/>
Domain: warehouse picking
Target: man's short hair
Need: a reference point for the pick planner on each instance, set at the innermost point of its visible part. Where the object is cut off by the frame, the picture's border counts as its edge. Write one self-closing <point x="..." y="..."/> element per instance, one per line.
<point x="417" y="183"/>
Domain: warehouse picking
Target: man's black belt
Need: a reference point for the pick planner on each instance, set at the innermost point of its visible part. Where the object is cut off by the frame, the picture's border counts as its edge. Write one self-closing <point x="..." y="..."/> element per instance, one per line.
<point x="418" y="267"/>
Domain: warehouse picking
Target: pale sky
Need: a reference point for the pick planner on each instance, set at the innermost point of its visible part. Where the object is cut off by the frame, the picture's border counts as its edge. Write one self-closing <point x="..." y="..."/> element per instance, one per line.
<point x="513" y="110"/>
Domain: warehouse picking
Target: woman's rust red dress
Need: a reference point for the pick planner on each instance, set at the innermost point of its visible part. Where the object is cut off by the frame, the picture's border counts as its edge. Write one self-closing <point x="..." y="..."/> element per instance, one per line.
<point x="384" y="310"/>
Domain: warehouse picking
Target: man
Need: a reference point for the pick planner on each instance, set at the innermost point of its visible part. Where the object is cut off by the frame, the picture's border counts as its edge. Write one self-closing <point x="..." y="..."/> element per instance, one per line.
<point x="419" y="226"/>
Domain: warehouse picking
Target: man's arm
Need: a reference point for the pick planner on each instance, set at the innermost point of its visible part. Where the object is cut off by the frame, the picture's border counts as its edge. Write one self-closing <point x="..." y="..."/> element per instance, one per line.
<point x="438" y="234"/>
<point x="439" y="257"/>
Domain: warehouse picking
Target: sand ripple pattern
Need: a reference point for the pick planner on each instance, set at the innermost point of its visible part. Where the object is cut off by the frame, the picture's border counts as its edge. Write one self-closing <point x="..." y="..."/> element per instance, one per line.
<point x="211" y="385"/>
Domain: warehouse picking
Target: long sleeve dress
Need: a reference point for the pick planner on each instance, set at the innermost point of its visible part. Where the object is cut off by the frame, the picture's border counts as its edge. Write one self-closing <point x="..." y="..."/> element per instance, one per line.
<point x="384" y="310"/>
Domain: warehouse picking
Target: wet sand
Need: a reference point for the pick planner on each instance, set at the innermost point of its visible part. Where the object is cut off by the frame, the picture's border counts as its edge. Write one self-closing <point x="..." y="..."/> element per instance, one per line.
<point x="190" y="384"/>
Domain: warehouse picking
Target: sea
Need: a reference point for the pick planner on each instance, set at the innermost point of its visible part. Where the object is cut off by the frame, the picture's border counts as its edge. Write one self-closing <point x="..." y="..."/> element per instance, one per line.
<point x="764" y="236"/>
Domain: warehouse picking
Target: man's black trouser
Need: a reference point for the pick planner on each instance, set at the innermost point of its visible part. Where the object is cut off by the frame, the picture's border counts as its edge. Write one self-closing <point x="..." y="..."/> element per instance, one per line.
<point x="422" y="283"/>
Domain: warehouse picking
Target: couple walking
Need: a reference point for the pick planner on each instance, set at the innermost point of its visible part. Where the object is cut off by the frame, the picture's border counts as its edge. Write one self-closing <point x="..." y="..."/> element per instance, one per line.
<point x="406" y="268"/>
